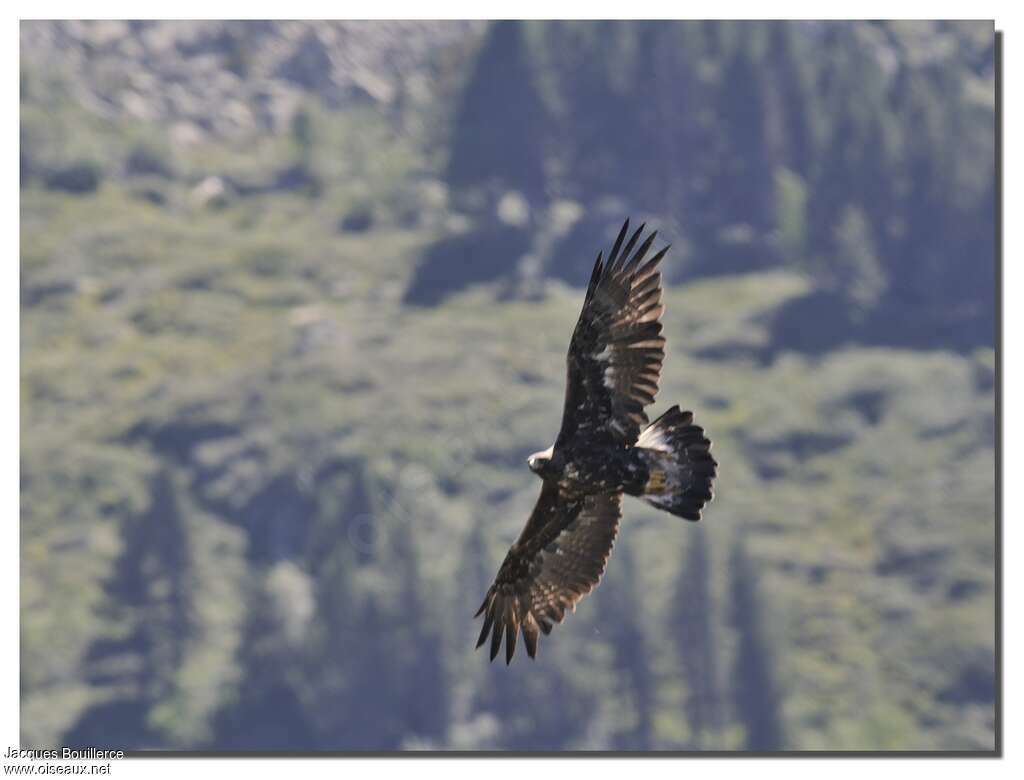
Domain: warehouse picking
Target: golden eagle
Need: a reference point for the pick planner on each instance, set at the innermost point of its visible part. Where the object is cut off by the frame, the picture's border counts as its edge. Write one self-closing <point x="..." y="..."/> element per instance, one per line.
<point x="605" y="448"/>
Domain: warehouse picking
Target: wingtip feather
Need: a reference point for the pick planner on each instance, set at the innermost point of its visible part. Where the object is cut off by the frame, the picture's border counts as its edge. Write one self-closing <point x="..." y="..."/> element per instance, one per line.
<point x="618" y="242"/>
<point x="641" y="253"/>
<point x="499" y="629"/>
<point x="486" y="629"/>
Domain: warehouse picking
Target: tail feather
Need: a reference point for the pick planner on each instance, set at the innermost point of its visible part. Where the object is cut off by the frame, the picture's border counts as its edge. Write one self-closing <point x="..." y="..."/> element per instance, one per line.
<point x="679" y="463"/>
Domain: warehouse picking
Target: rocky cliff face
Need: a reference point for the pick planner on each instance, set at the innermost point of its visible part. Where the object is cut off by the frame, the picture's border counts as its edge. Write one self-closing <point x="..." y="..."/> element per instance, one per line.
<point x="229" y="79"/>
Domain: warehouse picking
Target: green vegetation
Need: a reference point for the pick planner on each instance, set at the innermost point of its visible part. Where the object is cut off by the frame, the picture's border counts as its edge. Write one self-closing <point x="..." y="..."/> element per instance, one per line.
<point x="263" y="491"/>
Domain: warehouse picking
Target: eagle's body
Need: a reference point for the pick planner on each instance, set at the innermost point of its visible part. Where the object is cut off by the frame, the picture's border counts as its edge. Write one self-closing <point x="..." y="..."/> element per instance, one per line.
<point x="605" y="448"/>
<point x="581" y="468"/>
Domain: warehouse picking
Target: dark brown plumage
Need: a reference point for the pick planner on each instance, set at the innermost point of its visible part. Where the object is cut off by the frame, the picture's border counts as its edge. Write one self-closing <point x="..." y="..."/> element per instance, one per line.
<point x="605" y="448"/>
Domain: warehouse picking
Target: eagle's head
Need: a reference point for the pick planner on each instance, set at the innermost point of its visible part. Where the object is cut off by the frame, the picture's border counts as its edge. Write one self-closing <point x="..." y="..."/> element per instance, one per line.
<point x="540" y="462"/>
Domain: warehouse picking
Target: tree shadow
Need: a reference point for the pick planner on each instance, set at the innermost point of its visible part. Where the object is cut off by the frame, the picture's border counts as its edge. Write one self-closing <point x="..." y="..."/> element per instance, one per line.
<point x="452" y="264"/>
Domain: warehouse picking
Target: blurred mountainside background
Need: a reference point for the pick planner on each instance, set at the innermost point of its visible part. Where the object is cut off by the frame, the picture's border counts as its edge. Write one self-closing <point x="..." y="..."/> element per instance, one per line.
<point x="295" y="302"/>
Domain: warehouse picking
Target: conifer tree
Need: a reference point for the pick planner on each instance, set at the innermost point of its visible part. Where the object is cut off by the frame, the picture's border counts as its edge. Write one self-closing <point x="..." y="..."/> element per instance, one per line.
<point x="498" y="134"/>
<point x="693" y="625"/>
<point x="757" y="701"/>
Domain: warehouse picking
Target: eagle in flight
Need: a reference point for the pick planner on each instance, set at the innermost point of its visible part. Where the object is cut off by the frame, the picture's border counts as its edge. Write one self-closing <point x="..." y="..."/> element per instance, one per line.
<point x="606" y="447"/>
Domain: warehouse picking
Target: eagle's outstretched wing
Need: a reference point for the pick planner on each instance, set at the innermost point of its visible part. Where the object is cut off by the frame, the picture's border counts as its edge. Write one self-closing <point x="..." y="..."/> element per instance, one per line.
<point x="558" y="559"/>
<point x="617" y="348"/>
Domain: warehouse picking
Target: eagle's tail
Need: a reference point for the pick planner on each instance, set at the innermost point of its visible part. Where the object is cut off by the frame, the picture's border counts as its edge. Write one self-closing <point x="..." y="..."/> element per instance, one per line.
<point x="677" y="455"/>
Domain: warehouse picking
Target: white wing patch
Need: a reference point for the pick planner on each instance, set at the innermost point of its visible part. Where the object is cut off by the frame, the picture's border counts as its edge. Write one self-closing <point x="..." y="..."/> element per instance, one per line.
<point x="609" y="377"/>
<point x="653" y="438"/>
